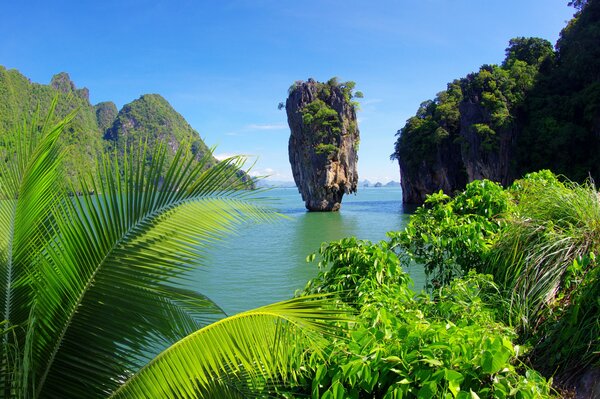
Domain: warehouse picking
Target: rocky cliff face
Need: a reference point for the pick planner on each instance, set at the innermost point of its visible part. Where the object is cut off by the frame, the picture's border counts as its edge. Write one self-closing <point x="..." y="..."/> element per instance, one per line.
<point x="106" y="113"/>
<point x="323" y="142"/>
<point x="487" y="154"/>
<point x="470" y="130"/>
<point x="539" y="109"/>
<point x="438" y="154"/>
<point x="444" y="171"/>
<point x="95" y="129"/>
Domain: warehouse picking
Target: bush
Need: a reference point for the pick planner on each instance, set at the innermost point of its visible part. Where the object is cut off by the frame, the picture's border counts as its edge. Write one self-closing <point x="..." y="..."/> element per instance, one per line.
<point x="404" y="345"/>
<point x="450" y="236"/>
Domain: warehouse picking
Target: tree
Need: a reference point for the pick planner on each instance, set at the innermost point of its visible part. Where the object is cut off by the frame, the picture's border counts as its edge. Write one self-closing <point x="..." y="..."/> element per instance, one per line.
<point x="532" y="50"/>
<point x="91" y="286"/>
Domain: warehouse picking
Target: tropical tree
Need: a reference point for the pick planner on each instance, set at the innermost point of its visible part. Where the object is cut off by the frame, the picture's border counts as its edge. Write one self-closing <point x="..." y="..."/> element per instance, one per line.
<point x="92" y="286"/>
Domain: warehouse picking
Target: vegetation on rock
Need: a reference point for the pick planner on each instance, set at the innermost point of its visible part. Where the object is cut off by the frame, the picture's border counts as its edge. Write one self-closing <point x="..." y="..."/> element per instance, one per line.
<point x="95" y="129"/>
<point x="324" y="141"/>
<point x="539" y="109"/>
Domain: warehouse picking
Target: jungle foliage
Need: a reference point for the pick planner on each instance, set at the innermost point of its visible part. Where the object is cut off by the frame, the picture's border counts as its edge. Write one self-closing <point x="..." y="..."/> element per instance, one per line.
<point x="512" y="300"/>
<point x="450" y="344"/>
<point x="548" y="99"/>
<point x="94" y="130"/>
<point x="539" y="240"/>
<point x="322" y="115"/>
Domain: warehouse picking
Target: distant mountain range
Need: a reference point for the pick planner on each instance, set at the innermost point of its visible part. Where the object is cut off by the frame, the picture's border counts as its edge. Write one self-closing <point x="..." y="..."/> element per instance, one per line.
<point x="367" y="183"/>
<point x="288" y="184"/>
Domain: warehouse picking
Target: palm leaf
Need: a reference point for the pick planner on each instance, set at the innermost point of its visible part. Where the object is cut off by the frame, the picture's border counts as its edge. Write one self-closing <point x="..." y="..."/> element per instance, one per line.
<point x="30" y="184"/>
<point x="247" y="349"/>
<point x="107" y="299"/>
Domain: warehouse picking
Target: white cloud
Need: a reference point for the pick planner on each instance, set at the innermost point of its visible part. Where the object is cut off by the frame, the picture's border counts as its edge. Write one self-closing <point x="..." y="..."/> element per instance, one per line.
<point x="267" y="126"/>
<point x="224" y="155"/>
<point x="270" y="174"/>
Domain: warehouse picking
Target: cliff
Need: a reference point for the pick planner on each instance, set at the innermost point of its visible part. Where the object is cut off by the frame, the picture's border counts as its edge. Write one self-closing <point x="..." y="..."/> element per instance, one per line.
<point x="20" y="99"/>
<point x="152" y="119"/>
<point x="323" y="142"/>
<point x="539" y="109"/>
<point x="98" y="128"/>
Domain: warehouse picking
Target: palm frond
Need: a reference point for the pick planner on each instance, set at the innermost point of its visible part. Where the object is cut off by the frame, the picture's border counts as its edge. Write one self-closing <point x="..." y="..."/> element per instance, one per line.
<point x="107" y="292"/>
<point x="30" y="185"/>
<point x="241" y="351"/>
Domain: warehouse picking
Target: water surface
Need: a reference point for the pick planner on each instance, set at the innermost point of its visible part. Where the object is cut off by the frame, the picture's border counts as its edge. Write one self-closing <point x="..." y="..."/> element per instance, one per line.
<point x="266" y="262"/>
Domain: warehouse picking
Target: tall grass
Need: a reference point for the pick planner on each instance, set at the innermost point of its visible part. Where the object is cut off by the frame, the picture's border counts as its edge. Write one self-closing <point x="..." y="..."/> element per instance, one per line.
<point x="545" y="260"/>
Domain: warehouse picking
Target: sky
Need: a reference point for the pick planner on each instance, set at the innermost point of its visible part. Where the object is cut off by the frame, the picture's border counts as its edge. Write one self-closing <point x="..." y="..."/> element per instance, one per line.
<point x="225" y="65"/>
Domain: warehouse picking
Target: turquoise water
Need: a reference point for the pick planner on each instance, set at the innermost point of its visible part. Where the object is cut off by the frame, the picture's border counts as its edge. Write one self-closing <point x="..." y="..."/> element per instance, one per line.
<point x="266" y="262"/>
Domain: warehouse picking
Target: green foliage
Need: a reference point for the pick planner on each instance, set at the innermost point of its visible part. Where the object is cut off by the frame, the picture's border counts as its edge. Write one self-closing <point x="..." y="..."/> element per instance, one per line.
<point x="562" y="113"/>
<point x="148" y="120"/>
<point x="435" y="123"/>
<point x="353" y="268"/>
<point x="531" y="50"/>
<point x="545" y="259"/>
<point x="90" y="285"/>
<point x="451" y="236"/>
<point x="325" y="123"/>
<point x="106" y="113"/>
<point x="487" y="135"/>
<point x="327" y="149"/>
<point x="20" y="100"/>
<point x="539" y="240"/>
<point x="549" y="101"/>
<point x="321" y="118"/>
<point x="407" y="346"/>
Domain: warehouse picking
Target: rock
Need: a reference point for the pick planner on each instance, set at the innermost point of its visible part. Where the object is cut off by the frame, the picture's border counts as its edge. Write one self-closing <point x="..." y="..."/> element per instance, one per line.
<point x="481" y="159"/>
<point x="62" y="82"/>
<point x="587" y="385"/>
<point x="323" y="142"/>
<point x="106" y="113"/>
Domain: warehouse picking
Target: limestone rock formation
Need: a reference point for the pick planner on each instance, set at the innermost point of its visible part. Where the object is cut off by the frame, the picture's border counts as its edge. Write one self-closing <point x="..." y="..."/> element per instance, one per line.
<point x="323" y="142"/>
<point x="106" y="113"/>
<point x="539" y="109"/>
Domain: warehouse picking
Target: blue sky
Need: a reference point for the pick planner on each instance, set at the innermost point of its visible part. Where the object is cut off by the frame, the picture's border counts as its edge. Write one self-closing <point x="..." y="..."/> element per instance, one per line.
<point x="225" y="65"/>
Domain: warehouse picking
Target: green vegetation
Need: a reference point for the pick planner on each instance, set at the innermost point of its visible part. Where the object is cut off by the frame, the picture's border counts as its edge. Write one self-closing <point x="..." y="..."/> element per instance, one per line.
<point x="436" y="122"/>
<point x="542" y="104"/>
<point x="561" y="120"/>
<point x="538" y="239"/>
<point x="403" y="345"/>
<point x="151" y="119"/>
<point x="90" y="286"/>
<point x="325" y="149"/>
<point x="514" y="284"/>
<point x="499" y="90"/>
<point x="20" y="100"/>
<point x="323" y="116"/>
<point x="94" y="129"/>
<point x="450" y="236"/>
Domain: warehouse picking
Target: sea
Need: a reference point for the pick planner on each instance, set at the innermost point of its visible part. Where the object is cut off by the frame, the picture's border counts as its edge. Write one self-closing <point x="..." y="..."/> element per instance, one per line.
<point x="266" y="262"/>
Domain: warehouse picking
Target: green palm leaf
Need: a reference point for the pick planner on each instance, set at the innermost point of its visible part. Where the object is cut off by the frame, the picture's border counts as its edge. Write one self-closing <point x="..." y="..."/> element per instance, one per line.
<point x="93" y="286"/>
<point x="243" y="350"/>
<point x="30" y="185"/>
<point x="108" y="292"/>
